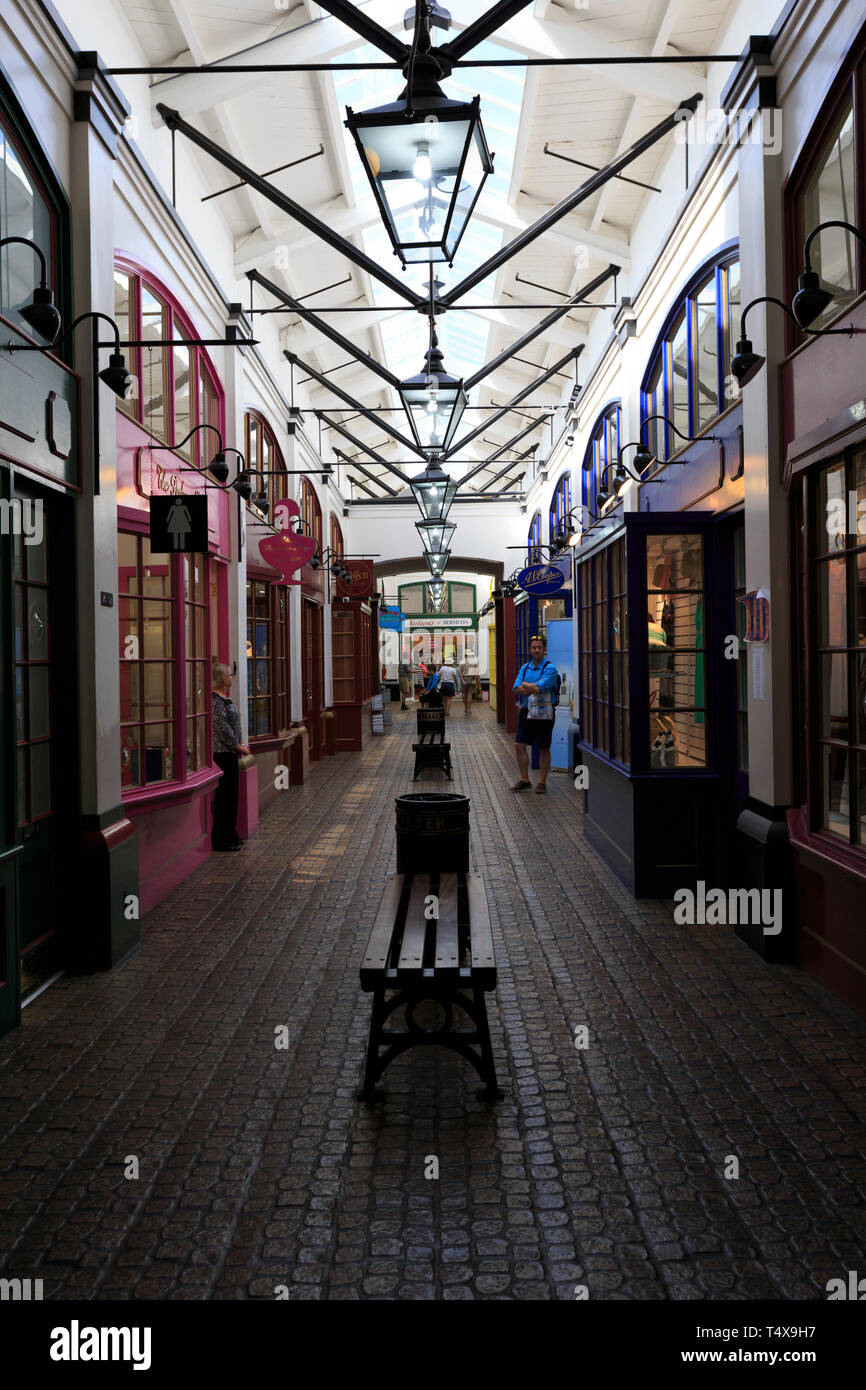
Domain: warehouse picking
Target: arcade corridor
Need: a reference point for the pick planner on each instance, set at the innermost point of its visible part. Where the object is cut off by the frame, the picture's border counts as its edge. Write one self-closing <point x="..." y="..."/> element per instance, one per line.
<point x="258" y="1168"/>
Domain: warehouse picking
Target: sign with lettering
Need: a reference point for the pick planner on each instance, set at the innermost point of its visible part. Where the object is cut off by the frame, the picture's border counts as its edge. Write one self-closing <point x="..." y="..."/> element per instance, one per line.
<point x="178" y="525"/>
<point x="360" y="582"/>
<point x="440" y="622"/>
<point x="541" y="580"/>
<point x="391" y="618"/>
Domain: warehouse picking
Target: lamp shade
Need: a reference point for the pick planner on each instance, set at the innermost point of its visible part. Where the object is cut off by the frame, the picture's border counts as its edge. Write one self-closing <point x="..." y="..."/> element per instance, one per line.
<point x="434" y="492"/>
<point x="745" y="364"/>
<point x="426" y="172"/>
<point x="434" y="401"/>
<point x="810" y="300"/>
<point x="435" y="535"/>
<point x="436" y="562"/>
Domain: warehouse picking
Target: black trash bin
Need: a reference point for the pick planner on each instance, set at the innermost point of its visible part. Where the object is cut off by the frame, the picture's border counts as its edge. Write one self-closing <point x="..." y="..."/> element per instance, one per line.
<point x="432" y="833"/>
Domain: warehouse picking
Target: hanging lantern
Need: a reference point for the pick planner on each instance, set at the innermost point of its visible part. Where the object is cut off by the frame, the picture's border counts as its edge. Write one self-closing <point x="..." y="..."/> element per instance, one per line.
<point x="437" y="561"/>
<point x="434" y="491"/>
<point x="426" y="157"/>
<point x="433" y="400"/>
<point x="435" y="535"/>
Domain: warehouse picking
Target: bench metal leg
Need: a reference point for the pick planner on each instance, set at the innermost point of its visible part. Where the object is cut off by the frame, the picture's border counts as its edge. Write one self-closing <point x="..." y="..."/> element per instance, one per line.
<point x="473" y="1044"/>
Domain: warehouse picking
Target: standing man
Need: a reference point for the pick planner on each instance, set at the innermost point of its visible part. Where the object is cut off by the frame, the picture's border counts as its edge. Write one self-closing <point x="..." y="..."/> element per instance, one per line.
<point x="404" y="676"/>
<point x="536" y="686"/>
<point x="468" y="670"/>
<point x="227" y="745"/>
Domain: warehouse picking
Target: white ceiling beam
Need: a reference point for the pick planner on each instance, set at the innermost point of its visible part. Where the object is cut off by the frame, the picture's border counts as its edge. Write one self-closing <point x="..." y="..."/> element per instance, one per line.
<point x="564" y="37"/>
<point x="257" y="250"/>
<point x="310" y="42"/>
<point x="670" y="13"/>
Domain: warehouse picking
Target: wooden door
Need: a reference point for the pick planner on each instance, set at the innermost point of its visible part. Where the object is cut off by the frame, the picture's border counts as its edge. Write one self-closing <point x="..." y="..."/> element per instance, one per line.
<point x="313" y="675"/>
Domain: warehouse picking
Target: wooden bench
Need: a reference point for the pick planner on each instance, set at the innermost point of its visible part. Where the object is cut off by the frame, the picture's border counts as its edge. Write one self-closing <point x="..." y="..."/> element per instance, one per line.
<point x="432" y="751"/>
<point x="413" y="957"/>
<point x="429" y="719"/>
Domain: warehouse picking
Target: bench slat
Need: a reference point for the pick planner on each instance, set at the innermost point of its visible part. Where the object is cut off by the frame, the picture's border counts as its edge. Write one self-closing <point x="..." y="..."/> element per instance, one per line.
<point x="482" y="954"/>
<point x="447" y="959"/>
<point x="415" y="931"/>
<point x="379" y="945"/>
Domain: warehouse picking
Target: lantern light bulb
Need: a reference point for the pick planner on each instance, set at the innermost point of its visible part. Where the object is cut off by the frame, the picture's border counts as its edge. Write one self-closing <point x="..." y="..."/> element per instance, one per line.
<point x="422" y="169"/>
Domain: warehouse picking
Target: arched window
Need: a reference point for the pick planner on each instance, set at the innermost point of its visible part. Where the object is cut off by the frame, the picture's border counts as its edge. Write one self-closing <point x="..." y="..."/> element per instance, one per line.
<point x="688" y="378"/>
<point x="601" y="454"/>
<point x="336" y="541"/>
<point x="560" y="505"/>
<point x="263" y="452"/>
<point x="311" y="512"/>
<point x="533" y="540"/>
<point x="178" y="386"/>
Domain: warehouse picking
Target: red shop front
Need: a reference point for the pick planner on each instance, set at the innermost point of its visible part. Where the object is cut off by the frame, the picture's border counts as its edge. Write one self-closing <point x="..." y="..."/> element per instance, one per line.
<point x="173" y="620"/>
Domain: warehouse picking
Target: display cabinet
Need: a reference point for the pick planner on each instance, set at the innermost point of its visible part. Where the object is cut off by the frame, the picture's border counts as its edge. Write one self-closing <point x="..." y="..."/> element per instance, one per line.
<point x="658" y="698"/>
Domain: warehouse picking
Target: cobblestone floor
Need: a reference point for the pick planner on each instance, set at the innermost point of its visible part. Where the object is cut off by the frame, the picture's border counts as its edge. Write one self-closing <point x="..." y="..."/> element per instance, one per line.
<point x="603" y="1167"/>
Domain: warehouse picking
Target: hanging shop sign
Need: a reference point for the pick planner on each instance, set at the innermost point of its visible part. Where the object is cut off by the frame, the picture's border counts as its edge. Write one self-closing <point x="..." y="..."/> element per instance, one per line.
<point x="360" y="581"/>
<point x="392" y="619"/>
<point x="289" y="550"/>
<point x="178" y="525"/>
<point x="541" y="580"/>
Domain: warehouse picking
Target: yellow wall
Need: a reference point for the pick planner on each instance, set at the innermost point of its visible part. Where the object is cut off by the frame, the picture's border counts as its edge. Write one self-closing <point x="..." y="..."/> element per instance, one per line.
<point x="491" y="637"/>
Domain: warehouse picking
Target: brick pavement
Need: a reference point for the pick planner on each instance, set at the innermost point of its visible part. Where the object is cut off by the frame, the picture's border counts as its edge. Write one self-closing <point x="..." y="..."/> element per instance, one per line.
<point x="602" y="1167"/>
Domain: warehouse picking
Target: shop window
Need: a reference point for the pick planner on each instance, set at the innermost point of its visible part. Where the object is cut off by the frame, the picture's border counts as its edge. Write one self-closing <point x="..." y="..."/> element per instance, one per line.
<point x="836" y="717"/>
<point x="601" y="455"/>
<point x="560" y="505"/>
<point x="147" y="666"/>
<point x="676" y="650"/>
<point x="178" y="387"/>
<point x="34" y="732"/>
<point x="336" y="534"/>
<point x="603" y="621"/>
<point x="198" y="690"/>
<point x="533" y="541"/>
<point x="267" y="658"/>
<point x="263" y="452"/>
<point x="688" y="379"/>
<point x="25" y="211"/>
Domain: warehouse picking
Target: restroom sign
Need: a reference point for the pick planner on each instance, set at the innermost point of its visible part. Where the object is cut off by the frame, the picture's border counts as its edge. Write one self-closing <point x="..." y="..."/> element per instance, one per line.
<point x="178" y="525"/>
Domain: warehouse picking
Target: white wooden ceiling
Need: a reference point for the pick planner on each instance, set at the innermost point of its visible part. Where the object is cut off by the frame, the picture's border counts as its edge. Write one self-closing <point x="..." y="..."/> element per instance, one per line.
<point x="587" y="113"/>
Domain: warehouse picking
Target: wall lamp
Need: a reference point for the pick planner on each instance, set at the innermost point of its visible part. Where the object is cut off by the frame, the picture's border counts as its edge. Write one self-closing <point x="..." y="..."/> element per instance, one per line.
<point x="812" y="298"/>
<point x="42" y="313"/>
<point x="331" y="560"/>
<point x="218" y="468"/>
<point x="115" y="375"/>
<point x="809" y="301"/>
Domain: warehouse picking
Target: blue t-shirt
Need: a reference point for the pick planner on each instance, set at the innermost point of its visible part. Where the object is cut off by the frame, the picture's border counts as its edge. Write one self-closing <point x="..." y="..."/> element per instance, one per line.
<point x="543" y="675"/>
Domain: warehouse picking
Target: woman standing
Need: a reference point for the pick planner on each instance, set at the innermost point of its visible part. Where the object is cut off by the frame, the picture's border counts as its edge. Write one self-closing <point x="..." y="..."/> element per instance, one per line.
<point x="448" y="685"/>
<point x="227" y="745"/>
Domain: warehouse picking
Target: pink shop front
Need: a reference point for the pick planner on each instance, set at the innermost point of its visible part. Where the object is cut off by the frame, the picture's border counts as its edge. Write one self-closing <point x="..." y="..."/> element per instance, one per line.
<point x="173" y="609"/>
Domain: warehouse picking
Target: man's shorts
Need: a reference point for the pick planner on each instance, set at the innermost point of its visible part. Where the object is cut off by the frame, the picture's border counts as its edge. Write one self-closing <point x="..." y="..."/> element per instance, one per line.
<point x="447" y="688"/>
<point x="537" y="731"/>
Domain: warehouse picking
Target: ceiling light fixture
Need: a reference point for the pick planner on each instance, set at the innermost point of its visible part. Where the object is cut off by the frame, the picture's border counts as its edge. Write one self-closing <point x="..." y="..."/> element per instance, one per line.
<point x="425" y="155"/>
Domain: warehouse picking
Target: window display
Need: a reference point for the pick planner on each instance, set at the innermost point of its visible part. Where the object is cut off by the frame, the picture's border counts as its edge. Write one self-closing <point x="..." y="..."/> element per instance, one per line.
<point x="676" y="653"/>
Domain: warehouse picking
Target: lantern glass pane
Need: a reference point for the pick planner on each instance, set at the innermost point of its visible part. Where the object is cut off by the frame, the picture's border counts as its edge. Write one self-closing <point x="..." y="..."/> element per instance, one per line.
<point x="415" y="168"/>
<point x="470" y="186"/>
